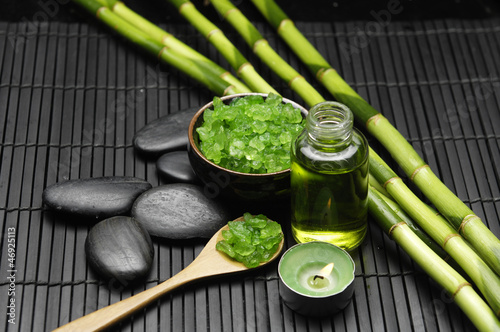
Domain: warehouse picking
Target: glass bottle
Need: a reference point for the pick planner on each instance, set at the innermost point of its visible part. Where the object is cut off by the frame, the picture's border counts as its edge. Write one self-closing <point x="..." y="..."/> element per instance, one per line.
<point x="329" y="178"/>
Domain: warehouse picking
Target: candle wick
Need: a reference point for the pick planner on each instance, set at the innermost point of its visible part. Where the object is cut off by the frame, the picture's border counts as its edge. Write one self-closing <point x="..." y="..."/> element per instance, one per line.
<point x="318" y="276"/>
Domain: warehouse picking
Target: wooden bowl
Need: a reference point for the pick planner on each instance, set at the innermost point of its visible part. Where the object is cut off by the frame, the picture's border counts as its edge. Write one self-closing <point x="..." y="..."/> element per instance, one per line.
<point x="232" y="184"/>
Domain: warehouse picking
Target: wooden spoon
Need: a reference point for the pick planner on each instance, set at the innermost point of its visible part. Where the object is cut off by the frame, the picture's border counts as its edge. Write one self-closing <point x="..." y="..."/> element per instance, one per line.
<point x="209" y="262"/>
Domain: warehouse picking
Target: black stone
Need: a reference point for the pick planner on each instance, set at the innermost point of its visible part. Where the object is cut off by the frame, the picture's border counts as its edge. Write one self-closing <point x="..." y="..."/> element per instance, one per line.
<point x="120" y="250"/>
<point x="179" y="211"/>
<point x="99" y="198"/>
<point x="175" y="167"/>
<point x="168" y="133"/>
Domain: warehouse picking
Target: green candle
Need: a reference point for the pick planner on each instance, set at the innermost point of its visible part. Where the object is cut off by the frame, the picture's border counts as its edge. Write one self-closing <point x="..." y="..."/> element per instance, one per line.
<point x="316" y="278"/>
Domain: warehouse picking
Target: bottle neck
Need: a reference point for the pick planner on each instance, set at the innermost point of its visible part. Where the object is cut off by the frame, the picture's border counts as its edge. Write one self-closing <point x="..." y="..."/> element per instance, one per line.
<point x="329" y="125"/>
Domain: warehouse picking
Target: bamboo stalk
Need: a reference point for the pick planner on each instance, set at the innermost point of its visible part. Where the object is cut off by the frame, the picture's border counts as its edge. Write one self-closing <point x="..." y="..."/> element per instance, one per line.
<point x="414" y="227"/>
<point x="453" y="209"/>
<point x="266" y="53"/>
<point x="136" y="36"/>
<point x="260" y="46"/>
<point x="216" y="37"/>
<point x="486" y="280"/>
<point x="173" y="43"/>
<point x="374" y="183"/>
<point x="459" y="289"/>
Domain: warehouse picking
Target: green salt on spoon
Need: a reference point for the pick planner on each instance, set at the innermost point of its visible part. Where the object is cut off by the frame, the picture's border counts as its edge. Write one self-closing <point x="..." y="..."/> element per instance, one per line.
<point x="251" y="241"/>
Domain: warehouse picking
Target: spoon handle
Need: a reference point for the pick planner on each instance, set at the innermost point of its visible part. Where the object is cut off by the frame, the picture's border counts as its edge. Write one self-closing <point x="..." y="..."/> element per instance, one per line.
<point x="113" y="313"/>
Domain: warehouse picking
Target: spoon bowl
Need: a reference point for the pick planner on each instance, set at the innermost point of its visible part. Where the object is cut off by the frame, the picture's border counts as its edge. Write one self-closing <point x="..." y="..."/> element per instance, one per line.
<point x="209" y="263"/>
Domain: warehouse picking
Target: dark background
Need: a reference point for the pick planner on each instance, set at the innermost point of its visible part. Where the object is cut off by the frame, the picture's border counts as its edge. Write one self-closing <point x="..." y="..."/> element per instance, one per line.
<point x="340" y="10"/>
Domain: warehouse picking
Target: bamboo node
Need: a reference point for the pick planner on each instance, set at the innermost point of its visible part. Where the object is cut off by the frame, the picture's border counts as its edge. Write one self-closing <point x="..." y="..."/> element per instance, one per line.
<point x="118" y="3"/>
<point x="449" y="237"/>
<point x="462" y="285"/>
<point x="294" y="78"/>
<point x="466" y="219"/>
<point x="391" y="180"/>
<point x="214" y="31"/>
<point x="224" y="74"/>
<point x="282" y="23"/>
<point x="401" y="223"/>
<point x="322" y="72"/>
<point x="243" y="67"/>
<point x="164" y="49"/>
<point x="185" y="4"/>
<point x="226" y="90"/>
<point x="375" y="119"/>
<point x="257" y="43"/>
<point x="415" y="172"/>
<point x="226" y="14"/>
<point x="98" y="12"/>
<point x="319" y="74"/>
<point x="165" y="37"/>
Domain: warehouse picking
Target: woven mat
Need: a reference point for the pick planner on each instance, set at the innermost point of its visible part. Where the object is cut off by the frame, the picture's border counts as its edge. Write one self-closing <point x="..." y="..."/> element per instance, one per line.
<point x="72" y="95"/>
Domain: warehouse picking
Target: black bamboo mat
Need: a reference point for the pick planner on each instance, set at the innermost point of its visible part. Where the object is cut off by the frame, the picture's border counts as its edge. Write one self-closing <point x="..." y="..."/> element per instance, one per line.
<point x="72" y="95"/>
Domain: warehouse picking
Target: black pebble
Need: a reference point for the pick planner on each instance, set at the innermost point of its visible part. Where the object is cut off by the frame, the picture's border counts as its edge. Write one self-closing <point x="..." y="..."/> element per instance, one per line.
<point x="168" y="133"/>
<point x="99" y="197"/>
<point x="179" y="211"/>
<point x="175" y="167"/>
<point x="120" y="250"/>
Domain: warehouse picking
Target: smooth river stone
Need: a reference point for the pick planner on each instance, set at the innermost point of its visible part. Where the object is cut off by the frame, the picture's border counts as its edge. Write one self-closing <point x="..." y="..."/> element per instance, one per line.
<point x="179" y="211"/>
<point x="168" y="133"/>
<point x="99" y="197"/>
<point x="175" y="167"/>
<point x="120" y="250"/>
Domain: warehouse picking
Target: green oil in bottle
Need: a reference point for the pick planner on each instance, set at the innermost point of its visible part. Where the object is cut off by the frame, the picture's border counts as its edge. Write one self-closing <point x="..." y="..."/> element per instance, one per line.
<point x="329" y="179"/>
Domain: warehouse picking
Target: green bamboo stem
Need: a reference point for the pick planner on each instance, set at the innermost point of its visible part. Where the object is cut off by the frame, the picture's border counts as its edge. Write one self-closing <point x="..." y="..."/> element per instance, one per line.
<point x="169" y="40"/>
<point x="453" y="209"/>
<point x="479" y="313"/>
<point x="216" y="37"/>
<point x="136" y="36"/>
<point x="375" y="184"/>
<point x="260" y="46"/>
<point x="313" y="59"/>
<point x="266" y="53"/>
<point x="486" y="280"/>
<point x="460" y="216"/>
<point x="414" y="227"/>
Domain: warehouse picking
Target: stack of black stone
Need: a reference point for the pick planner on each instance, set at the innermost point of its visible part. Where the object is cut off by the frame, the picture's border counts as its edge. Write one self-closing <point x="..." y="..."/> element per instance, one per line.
<point x="131" y="212"/>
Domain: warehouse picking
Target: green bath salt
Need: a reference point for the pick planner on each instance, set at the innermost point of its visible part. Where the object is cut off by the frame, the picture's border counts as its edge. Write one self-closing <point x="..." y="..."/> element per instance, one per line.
<point x="251" y="134"/>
